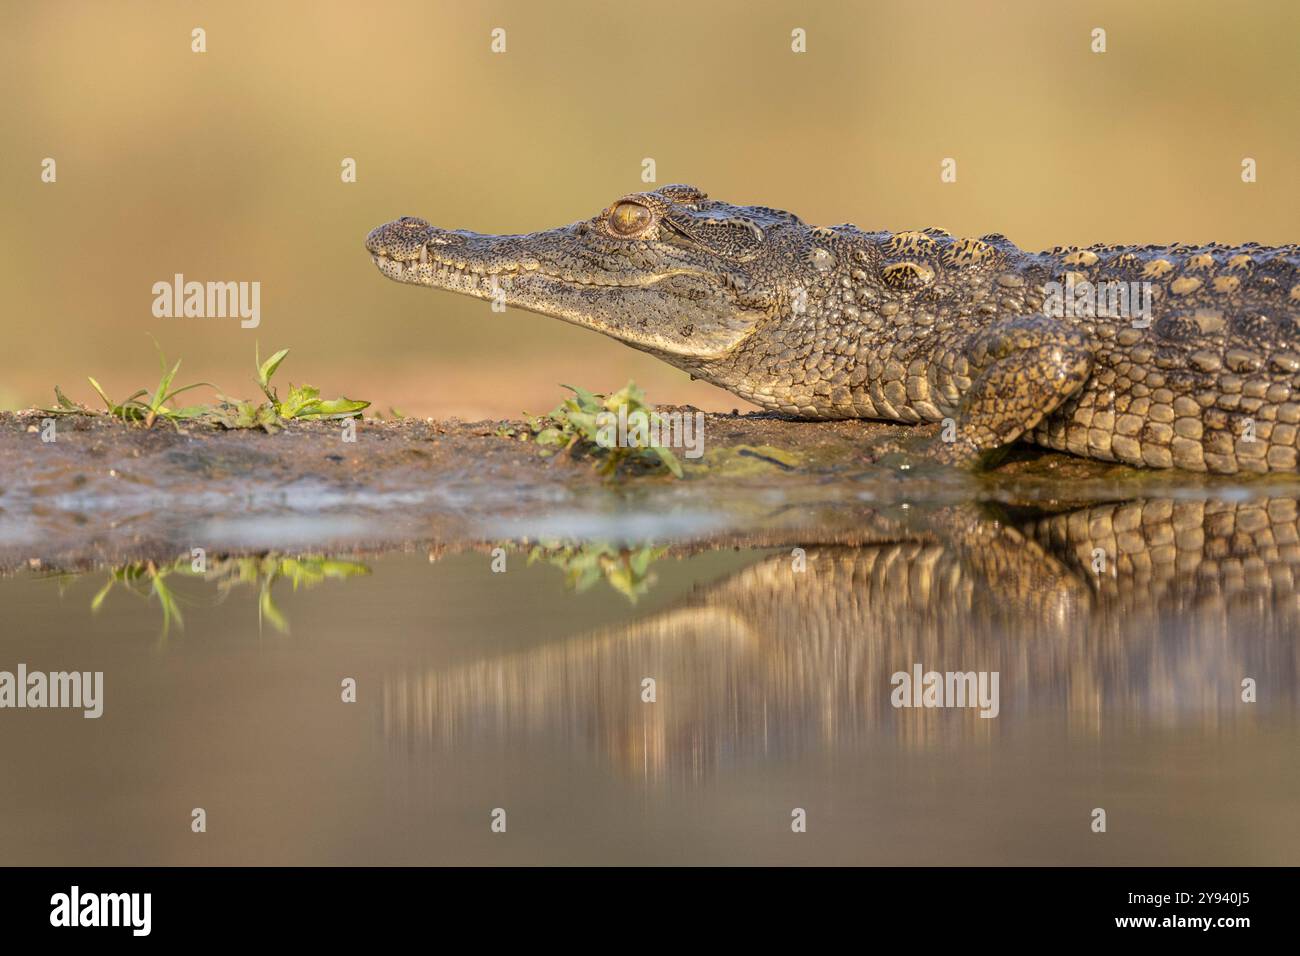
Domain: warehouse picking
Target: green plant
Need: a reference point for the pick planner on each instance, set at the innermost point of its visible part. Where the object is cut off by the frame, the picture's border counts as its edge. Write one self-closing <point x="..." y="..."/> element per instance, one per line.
<point x="626" y="570"/>
<point x="585" y="423"/>
<point x="303" y="402"/>
<point x="142" y="405"/>
<point x="148" y="580"/>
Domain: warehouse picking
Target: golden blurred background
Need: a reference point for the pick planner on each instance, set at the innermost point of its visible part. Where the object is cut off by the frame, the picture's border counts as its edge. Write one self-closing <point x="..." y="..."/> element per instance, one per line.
<point x="225" y="165"/>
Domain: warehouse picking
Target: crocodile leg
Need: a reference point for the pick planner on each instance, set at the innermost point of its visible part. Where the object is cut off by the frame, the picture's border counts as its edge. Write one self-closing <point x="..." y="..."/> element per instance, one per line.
<point x="1024" y="368"/>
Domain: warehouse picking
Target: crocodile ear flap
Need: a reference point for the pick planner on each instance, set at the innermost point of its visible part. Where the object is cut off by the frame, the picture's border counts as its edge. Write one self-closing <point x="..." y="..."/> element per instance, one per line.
<point x="731" y="238"/>
<point x="680" y="192"/>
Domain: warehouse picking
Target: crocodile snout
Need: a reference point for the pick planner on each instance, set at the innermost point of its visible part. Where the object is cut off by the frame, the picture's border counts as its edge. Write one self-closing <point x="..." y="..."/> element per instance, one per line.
<point x="402" y="239"/>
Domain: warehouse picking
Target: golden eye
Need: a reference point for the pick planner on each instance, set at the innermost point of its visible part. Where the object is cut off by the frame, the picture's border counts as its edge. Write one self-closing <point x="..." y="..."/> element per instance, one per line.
<point x="629" y="218"/>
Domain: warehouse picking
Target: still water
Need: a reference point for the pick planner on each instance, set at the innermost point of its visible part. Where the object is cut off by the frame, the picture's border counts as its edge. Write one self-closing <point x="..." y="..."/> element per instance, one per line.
<point x="1123" y="638"/>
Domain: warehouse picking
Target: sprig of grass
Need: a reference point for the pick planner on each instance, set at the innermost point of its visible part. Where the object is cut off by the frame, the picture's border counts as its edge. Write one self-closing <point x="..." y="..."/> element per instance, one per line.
<point x="133" y="577"/>
<point x="302" y="403"/>
<point x="142" y="405"/>
<point x="144" y="579"/>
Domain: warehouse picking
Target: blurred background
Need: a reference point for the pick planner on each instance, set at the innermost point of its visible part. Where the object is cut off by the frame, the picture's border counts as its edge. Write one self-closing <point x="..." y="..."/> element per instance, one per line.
<point x="226" y="165"/>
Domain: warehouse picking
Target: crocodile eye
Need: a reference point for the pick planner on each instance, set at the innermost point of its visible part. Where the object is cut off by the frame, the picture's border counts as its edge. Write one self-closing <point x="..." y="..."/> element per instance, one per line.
<point x="629" y="218"/>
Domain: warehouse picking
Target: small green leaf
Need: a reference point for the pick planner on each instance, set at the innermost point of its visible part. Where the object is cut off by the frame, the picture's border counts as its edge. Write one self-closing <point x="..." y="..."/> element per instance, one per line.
<point x="98" y="600"/>
<point x="670" y="460"/>
<point x="266" y="370"/>
<point x="167" y="599"/>
<point x="269" y="612"/>
<point x="160" y="393"/>
<point x="586" y="399"/>
<point x="190" y="412"/>
<point x="107" y="401"/>
<point x="334" y="408"/>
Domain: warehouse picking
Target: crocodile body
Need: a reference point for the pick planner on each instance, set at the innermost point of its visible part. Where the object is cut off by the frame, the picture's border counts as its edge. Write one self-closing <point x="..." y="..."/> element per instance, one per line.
<point x="1198" y="368"/>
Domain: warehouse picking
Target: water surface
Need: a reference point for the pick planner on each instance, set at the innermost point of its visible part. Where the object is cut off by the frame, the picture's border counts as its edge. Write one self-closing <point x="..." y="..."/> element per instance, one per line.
<point x="1120" y="687"/>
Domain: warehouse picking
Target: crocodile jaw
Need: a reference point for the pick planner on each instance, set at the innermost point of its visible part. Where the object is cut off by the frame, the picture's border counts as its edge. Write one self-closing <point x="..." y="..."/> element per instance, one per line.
<point x="673" y="308"/>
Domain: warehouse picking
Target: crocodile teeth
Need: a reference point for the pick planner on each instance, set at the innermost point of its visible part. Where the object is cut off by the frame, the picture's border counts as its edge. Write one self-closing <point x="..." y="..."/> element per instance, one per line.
<point x="424" y="254"/>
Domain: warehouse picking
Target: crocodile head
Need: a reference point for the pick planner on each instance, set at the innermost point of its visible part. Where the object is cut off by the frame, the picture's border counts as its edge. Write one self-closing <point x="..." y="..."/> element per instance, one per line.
<point x="670" y="272"/>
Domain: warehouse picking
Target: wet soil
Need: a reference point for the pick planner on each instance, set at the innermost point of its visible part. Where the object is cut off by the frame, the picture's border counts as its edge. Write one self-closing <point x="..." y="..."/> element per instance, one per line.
<point x="104" y="492"/>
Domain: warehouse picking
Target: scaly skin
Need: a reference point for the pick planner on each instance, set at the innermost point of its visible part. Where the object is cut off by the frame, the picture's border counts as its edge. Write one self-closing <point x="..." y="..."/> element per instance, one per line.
<point x="916" y="327"/>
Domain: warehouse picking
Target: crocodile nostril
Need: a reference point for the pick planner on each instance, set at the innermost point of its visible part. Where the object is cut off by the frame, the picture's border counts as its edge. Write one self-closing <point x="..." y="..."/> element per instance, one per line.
<point x="374" y="241"/>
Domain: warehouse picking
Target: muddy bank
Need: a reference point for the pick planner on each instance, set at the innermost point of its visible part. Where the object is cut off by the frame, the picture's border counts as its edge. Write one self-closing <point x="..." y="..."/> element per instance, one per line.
<point x="103" y="492"/>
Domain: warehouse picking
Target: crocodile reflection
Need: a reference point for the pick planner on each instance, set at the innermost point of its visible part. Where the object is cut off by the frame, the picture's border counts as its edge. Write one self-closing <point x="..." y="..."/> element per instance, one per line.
<point x="1143" y="611"/>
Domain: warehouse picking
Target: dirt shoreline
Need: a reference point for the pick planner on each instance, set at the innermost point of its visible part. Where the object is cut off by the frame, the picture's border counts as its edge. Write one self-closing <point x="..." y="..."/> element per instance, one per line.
<point x="104" y="492"/>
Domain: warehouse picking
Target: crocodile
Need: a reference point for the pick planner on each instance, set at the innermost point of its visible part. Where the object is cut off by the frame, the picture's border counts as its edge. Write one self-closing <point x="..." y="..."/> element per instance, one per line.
<point x="1166" y="356"/>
